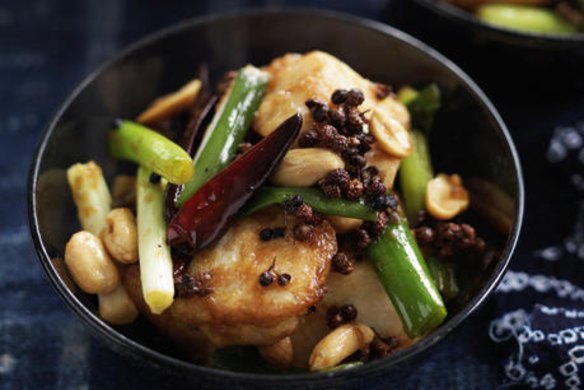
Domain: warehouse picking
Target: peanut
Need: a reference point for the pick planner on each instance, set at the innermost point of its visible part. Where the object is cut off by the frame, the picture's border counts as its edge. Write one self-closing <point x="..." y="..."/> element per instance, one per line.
<point x="446" y="197"/>
<point x="90" y="266"/>
<point x="120" y="236"/>
<point x="116" y="307"/>
<point x="391" y="134"/>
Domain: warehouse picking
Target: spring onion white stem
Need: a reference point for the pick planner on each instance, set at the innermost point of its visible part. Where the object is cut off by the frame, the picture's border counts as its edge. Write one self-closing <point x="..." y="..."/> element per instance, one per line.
<point x="154" y="253"/>
<point x="91" y="196"/>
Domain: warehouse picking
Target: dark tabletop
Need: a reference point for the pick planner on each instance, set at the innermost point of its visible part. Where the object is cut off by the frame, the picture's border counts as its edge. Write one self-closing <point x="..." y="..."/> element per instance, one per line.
<point x="48" y="46"/>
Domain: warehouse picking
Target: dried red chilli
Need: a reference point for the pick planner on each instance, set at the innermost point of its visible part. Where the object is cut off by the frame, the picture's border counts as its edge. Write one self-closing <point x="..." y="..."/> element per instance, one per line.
<point x="207" y="214"/>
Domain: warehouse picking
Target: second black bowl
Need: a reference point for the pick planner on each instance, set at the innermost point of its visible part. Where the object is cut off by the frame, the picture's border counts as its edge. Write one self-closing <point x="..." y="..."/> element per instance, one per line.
<point x="486" y="31"/>
<point x="511" y="64"/>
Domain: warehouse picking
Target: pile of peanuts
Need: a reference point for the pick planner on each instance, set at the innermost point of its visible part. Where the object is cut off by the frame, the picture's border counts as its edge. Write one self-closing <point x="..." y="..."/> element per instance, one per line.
<point x="108" y="241"/>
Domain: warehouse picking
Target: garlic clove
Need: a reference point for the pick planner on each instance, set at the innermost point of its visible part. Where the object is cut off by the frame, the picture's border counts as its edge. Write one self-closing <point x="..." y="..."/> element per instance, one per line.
<point x="339" y="344"/>
<point x="304" y="167"/>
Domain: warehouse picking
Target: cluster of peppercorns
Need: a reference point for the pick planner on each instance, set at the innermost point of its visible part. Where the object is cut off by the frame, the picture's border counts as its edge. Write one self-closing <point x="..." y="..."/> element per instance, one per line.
<point x="371" y="231"/>
<point x="337" y="316"/>
<point x="267" y="277"/>
<point x="340" y="183"/>
<point x="187" y="285"/>
<point x="306" y="218"/>
<point x="340" y="128"/>
<point x="389" y="215"/>
<point x="447" y="239"/>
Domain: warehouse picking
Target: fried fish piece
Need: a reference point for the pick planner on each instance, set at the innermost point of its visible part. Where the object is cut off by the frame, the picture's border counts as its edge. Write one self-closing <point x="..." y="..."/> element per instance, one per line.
<point x="296" y="78"/>
<point x="240" y="310"/>
<point x="362" y="289"/>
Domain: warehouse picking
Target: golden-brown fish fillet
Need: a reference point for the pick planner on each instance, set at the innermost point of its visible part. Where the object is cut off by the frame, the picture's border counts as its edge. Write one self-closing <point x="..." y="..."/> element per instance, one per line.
<point x="295" y="78"/>
<point x="362" y="289"/>
<point x="240" y="310"/>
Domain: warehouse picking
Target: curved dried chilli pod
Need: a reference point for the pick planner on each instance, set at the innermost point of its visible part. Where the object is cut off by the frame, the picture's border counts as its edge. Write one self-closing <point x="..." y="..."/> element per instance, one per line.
<point x="207" y="214"/>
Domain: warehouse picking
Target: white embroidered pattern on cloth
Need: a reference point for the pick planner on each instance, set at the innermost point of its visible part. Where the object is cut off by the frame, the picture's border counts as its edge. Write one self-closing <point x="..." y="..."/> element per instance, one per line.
<point x="547" y="342"/>
<point x="518" y="325"/>
<point x="518" y="281"/>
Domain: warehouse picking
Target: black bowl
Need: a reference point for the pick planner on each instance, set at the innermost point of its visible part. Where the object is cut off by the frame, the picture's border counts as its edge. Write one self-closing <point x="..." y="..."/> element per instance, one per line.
<point x="510" y="59"/>
<point x="469" y="137"/>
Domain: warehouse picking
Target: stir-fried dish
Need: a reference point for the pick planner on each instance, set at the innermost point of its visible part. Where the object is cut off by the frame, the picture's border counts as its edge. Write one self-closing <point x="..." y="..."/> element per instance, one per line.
<point x="535" y="16"/>
<point x="293" y="212"/>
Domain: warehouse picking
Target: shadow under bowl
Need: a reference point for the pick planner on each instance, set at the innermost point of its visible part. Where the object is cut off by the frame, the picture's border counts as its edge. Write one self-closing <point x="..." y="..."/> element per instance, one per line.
<point x="469" y="138"/>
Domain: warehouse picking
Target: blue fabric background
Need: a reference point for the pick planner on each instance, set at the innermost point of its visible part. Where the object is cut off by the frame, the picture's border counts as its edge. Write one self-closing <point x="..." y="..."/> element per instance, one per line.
<point x="46" y="48"/>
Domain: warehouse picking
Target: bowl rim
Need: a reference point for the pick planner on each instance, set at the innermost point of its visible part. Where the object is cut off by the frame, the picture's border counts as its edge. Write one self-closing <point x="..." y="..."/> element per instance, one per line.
<point x="134" y="349"/>
<point x="456" y="14"/>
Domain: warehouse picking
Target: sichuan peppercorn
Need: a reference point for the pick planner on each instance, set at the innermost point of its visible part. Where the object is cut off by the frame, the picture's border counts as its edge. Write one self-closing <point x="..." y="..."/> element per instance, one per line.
<point x="375" y="187"/>
<point x="348" y="312"/>
<point x="339" y="96"/>
<point x="363" y="238"/>
<point x="338" y="177"/>
<point x="330" y="190"/>
<point x="334" y="319"/>
<point x="338" y="117"/>
<point x="266" y="278"/>
<point x="341" y="263"/>
<point x="355" y="189"/>
<point x="308" y="139"/>
<point x="292" y="204"/>
<point x="284" y="279"/>
<point x="354" y="98"/>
